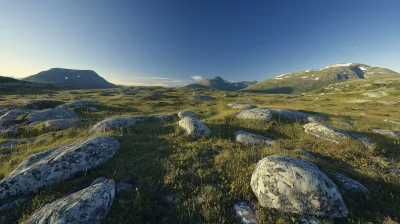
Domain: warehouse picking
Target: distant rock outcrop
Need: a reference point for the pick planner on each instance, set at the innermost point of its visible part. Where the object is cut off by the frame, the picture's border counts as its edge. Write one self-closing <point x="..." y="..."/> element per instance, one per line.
<point x="41" y="104"/>
<point x="89" y="205"/>
<point x="296" y="186"/>
<point x="57" y="164"/>
<point x="71" y="78"/>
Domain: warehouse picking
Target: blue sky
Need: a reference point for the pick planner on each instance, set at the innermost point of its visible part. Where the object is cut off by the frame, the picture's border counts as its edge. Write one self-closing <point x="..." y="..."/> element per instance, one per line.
<point x="175" y="42"/>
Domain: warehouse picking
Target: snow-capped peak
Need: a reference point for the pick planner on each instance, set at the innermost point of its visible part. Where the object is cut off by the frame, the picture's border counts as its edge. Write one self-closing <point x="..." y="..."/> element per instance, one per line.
<point x="337" y="65"/>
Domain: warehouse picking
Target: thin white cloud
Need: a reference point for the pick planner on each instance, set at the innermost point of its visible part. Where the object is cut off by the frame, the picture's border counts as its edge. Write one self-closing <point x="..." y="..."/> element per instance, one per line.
<point x="197" y="78"/>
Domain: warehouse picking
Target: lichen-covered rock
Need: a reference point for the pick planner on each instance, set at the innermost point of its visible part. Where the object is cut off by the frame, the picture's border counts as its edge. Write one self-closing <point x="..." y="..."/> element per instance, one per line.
<point x="41" y="104"/>
<point x="262" y="114"/>
<point x="333" y="134"/>
<point x="252" y="139"/>
<point x="188" y="113"/>
<point x="241" y="106"/>
<point x="89" y="205"/>
<point x="14" y="114"/>
<point x="51" y="114"/>
<point x="394" y="134"/>
<point x="202" y="98"/>
<point x="58" y="164"/>
<point x="80" y="103"/>
<point x="62" y="124"/>
<point x="295" y="116"/>
<point x="245" y="212"/>
<point x="194" y="128"/>
<point x="296" y="186"/>
<point x="350" y="186"/>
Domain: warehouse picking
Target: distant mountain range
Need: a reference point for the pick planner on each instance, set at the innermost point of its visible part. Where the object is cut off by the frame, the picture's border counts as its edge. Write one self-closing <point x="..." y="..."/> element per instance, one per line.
<point x="71" y="78"/>
<point x="219" y="83"/>
<point x="309" y="80"/>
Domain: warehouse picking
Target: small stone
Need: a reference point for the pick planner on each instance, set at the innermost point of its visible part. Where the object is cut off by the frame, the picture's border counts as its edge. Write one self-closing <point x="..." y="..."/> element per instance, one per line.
<point x="252" y="139"/>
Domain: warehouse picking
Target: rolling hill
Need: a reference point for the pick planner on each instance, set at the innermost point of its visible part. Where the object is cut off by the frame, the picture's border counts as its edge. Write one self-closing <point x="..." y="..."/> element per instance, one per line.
<point x="219" y="83"/>
<point x="71" y="78"/>
<point x="309" y="80"/>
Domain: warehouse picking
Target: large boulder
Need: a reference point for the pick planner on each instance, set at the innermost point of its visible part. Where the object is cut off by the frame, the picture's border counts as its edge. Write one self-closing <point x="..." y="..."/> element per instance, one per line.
<point x="41" y="104"/>
<point x="89" y="205"/>
<point x="51" y="114"/>
<point x="194" y="128"/>
<point x="14" y="114"/>
<point x="252" y="139"/>
<point x="241" y="106"/>
<point x="394" y="134"/>
<point x="62" y="124"/>
<point x="296" y="186"/>
<point x="80" y="103"/>
<point x="295" y="116"/>
<point x="188" y="113"/>
<point x="262" y="114"/>
<point x="333" y="134"/>
<point x="58" y="164"/>
<point x="350" y="186"/>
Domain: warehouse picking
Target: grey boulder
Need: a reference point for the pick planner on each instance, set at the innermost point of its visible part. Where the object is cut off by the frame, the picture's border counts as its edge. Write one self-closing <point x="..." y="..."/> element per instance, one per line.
<point x="113" y="124"/>
<point x="241" y="106"/>
<point x="41" y="104"/>
<point x="262" y="114"/>
<point x="89" y="205"/>
<point x="13" y="114"/>
<point x="394" y="134"/>
<point x="51" y="114"/>
<point x="188" y="113"/>
<point x="245" y="212"/>
<point x="58" y="164"/>
<point x="252" y="139"/>
<point x="333" y="134"/>
<point x="296" y="116"/>
<point x="350" y="186"/>
<point x="62" y="124"/>
<point x="80" y="103"/>
<point x="194" y="128"/>
<point x="296" y="186"/>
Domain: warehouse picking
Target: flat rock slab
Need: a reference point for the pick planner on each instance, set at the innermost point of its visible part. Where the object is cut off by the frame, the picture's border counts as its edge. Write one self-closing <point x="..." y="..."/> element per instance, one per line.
<point x="13" y="115"/>
<point x="296" y="116"/>
<point x="89" y="205"/>
<point x="296" y="186"/>
<point x="80" y="103"/>
<point x="392" y="121"/>
<point x="41" y="104"/>
<point x="241" y="106"/>
<point x="188" y="113"/>
<point x="57" y="164"/>
<point x="245" y="212"/>
<point x="394" y="134"/>
<point x="252" y="139"/>
<point x="350" y="186"/>
<point x="262" y="114"/>
<point x="51" y="114"/>
<point x="62" y="124"/>
<point x="333" y="134"/>
<point x="194" y="128"/>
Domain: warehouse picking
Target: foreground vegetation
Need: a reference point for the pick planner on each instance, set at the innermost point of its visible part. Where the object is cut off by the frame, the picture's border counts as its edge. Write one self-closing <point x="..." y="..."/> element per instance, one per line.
<point x="177" y="180"/>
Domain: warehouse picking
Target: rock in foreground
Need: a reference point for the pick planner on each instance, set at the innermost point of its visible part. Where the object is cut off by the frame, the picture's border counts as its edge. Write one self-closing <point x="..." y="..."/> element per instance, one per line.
<point x="245" y="212"/>
<point x="194" y="128"/>
<point x="262" y="114"/>
<point x="58" y="164"/>
<point x="89" y="205"/>
<point x="51" y="114"/>
<point x="333" y="134"/>
<point x="296" y="186"/>
<point x="252" y="139"/>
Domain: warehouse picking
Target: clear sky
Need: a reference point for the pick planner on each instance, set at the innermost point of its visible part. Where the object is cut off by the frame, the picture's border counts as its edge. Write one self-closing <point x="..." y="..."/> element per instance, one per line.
<point x="174" y="42"/>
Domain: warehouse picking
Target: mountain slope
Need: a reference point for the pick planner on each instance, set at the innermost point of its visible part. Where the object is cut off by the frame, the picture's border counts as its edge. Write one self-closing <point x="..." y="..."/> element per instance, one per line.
<point x="309" y="80"/>
<point x="80" y="79"/>
<point x="219" y="83"/>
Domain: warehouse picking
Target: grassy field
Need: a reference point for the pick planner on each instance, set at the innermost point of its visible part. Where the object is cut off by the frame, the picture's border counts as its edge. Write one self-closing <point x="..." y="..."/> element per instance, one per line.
<point x="177" y="180"/>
